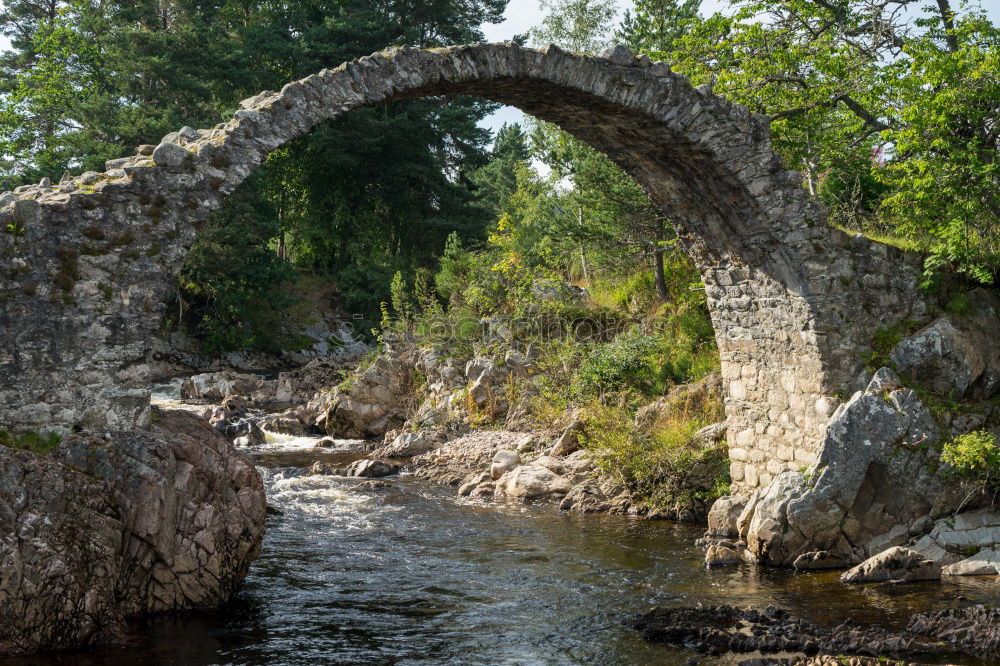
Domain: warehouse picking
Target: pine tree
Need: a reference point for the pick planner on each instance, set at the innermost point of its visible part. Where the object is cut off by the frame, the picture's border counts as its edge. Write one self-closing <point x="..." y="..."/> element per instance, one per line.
<point x="377" y="191"/>
<point x="656" y="24"/>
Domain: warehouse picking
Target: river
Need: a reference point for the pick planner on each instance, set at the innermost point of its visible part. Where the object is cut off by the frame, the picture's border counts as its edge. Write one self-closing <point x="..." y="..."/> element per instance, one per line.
<point x="410" y="574"/>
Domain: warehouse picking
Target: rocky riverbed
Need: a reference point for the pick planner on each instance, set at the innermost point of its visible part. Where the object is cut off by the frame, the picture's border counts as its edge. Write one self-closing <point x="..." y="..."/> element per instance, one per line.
<point x="177" y="511"/>
<point x="437" y="429"/>
<point x="510" y="469"/>
<point x="431" y="563"/>
<point x="402" y="570"/>
<point x="971" y="631"/>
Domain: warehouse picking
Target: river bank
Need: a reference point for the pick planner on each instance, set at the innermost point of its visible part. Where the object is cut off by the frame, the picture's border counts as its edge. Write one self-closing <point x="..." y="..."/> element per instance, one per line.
<point x="408" y="573"/>
<point x="405" y="570"/>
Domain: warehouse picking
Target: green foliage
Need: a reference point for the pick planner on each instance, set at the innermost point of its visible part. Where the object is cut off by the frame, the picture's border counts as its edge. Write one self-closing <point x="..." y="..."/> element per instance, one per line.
<point x="655" y="25"/>
<point x="975" y="458"/>
<point x="400" y="299"/>
<point x="34" y="442"/>
<point x="850" y="189"/>
<point x="883" y="341"/>
<point x="945" y="183"/>
<point x="625" y="364"/>
<point x="456" y="265"/>
<point x="660" y="463"/>
<point x="642" y="365"/>
<point x="235" y="288"/>
<point x="495" y="181"/>
<point x="582" y="26"/>
<point x="890" y="116"/>
<point x="959" y="304"/>
<point x="377" y="191"/>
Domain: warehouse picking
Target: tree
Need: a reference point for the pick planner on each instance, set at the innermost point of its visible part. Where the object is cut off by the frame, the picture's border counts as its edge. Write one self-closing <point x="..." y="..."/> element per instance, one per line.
<point x="582" y="26"/>
<point x="656" y="24"/>
<point x="230" y="277"/>
<point x="889" y="117"/>
<point x="604" y="212"/>
<point x="614" y="217"/>
<point x="944" y="176"/>
<point x="496" y="181"/>
<point x="356" y="200"/>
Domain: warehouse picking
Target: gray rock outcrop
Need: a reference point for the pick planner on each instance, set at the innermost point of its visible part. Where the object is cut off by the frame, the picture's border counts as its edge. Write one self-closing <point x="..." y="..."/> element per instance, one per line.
<point x="216" y="386"/>
<point x="104" y="529"/>
<point x="940" y="357"/>
<point x="876" y="476"/>
<point x="409" y="444"/>
<point x="376" y="402"/>
<point x="956" y="355"/>
<point x="953" y="539"/>
<point x="895" y="565"/>
<point x="371" y="469"/>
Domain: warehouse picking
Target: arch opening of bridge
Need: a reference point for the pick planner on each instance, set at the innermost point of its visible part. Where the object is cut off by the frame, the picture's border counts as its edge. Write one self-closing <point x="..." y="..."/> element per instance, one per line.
<point x="792" y="300"/>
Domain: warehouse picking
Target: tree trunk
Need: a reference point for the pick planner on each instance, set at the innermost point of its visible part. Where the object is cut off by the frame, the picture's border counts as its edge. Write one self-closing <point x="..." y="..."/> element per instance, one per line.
<point x="948" y="23"/>
<point x="583" y="253"/>
<point x="661" y="282"/>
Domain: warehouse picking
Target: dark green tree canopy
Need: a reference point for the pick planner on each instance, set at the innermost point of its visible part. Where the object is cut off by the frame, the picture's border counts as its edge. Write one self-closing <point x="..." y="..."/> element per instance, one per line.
<point x="655" y="25"/>
<point x="378" y="191"/>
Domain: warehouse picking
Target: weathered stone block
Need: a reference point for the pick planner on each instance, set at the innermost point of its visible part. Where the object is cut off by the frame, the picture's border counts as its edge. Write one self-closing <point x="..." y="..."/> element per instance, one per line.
<point x="170" y="156"/>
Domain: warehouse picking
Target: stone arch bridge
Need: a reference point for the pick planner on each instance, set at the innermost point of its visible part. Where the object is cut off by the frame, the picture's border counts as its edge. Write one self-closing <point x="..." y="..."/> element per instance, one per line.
<point x="85" y="265"/>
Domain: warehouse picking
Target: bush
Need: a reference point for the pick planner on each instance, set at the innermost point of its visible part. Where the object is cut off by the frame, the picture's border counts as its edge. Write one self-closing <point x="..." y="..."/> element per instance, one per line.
<point x="975" y="457"/>
<point x="621" y="365"/>
<point x="641" y="364"/>
<point x="456" y="267"/>
<point x="661" y="465"/>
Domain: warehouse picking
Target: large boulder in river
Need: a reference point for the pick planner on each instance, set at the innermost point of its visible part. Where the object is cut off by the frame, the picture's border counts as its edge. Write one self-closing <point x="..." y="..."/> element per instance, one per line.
<point x="940" y="357"/>
<point x="409" y="444"/>
<point x="896" y="565"/>
<point x="503" y="462"/>
<point x="104" y="529"/>
<point x="875" y="477"/>
<point x="371" y="469"/>
<point x="723" y="517"/>
<point x="533" y="481"/>
<point x="299" y="385"/>
<point x="216" y="386"/>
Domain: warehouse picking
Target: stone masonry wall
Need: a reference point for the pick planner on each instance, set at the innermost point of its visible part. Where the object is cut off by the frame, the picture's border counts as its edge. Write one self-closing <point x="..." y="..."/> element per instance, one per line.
<point x="86" y="264"/>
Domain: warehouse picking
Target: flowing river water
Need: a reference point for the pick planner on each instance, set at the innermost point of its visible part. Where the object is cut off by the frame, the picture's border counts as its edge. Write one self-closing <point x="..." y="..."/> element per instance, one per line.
<point x="408" y="573"/>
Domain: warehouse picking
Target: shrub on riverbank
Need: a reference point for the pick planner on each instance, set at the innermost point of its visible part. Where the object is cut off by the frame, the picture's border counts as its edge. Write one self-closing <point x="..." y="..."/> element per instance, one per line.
<point x="658" y="454"/>
<point x="974" y="459"/>
<point x="603" y="352"/>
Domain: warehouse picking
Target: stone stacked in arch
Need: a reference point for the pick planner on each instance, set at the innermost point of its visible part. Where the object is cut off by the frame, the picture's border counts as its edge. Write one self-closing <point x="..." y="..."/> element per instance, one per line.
<point x="86" y="264"/>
